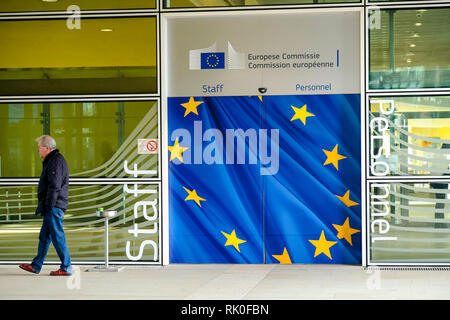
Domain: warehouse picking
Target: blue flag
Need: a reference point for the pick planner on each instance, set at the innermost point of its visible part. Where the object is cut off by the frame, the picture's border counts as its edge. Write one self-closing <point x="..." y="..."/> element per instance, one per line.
<point x="213" y="60"/>
<point x="273" y="179"/>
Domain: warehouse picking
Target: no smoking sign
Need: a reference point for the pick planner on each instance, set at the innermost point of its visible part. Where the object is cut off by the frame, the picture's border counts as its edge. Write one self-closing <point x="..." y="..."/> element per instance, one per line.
<point x="148" y="146"/>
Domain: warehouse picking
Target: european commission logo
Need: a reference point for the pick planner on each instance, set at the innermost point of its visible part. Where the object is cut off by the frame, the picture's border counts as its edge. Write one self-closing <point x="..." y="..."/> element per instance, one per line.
<point x="212" y="58"/>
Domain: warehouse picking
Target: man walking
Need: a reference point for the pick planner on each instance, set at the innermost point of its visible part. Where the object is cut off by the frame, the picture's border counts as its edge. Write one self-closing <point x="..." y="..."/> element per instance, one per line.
<point x="53" y="197"/>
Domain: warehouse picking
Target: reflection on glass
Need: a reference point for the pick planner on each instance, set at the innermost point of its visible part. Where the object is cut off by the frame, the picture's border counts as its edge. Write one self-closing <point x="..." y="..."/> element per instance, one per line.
<point x="409" y="49"/>
<point x="94" y="137"/>
<point x="409" y="135"/>
<point x="62" y="57"/>
<point x="242" y="3"/>
<point x="409" y="222"/>
<point x="19" y="226"/>
<point x="63" y="5"/>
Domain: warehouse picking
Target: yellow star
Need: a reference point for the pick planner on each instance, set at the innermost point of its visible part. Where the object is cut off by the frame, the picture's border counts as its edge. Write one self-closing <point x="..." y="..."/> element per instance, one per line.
<point x="346" y="199"/>
<point x="301" y="114"/>
<point x="176" y="151"/>
<point x="191" y="106"/>
<point x="345" y="231"/>
<point x="233" y="240"/>
<point x="333" y="157"/>
<point x="323" y="245"/>
<point x="192" y="195"/>
<point x="284" y="258"/>
<point x="259" y="97"/>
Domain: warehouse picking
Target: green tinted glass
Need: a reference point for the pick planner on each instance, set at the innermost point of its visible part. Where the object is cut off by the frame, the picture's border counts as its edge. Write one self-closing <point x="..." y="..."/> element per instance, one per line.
<point x="74" y="56"/>
<point x="409" y="222"/>
<point x="64" y="5"/>
<point x="409" y="49"/>
<point x="409" y="135"/>
<point x="94" y="137"/>
<point x="242" y="3"/>
<point x="19" y="226"/>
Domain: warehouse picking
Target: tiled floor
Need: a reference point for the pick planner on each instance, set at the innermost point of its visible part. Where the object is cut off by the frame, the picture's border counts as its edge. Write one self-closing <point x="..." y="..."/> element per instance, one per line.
<point x="223" y="282"/>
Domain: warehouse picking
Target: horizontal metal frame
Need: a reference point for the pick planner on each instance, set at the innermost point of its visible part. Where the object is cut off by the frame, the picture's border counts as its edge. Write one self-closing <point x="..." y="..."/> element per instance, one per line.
<point x="416" y="180"/>
<point x="80" y="181"/>
<point x="262" y="8"/>
<point x="366" y="3"/>
<point x="408" y="93"/>
<point x="81" y="98"/>
<point x="399" y="91"/>
<point x="82" y="15"/>
<point x="407" y="178"/>
<point x="202" y="13"/>
<point x="405" y="3"/>
<point x="73" y="98"/>
<point x="83" y="12"/>
<point x="86" y="263"/>
<point x="406" y="264"/>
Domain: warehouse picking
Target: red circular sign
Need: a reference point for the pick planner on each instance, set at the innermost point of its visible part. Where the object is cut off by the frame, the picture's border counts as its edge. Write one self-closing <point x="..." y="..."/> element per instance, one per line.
<point x="152" y="145"/>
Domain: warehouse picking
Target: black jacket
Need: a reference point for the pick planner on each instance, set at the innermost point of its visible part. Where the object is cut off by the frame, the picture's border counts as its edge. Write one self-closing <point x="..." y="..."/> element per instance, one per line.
<point x="53" y="189"/>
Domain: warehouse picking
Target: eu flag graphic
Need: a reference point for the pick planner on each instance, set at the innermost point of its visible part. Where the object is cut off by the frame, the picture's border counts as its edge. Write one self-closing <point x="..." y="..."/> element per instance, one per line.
<point x="273" y="179"/>
<point x="213" y="60"/>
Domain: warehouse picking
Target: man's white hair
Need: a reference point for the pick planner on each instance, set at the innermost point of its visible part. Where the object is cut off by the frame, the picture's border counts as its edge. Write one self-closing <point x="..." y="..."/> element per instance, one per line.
<point x="47" y="141"/>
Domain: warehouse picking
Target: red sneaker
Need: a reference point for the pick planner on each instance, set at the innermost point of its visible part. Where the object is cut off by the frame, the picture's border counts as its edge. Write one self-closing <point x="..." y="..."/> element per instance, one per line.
<point x="28" y="267"/>
<point x="60" y="273"/>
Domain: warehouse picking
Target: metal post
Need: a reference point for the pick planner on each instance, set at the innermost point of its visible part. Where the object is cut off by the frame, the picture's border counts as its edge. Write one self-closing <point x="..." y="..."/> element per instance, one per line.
<point x="45" y="118"/>
<point x="106" y="243"/>
<point x="106" y="267"/>
<point x="391" y="40"/>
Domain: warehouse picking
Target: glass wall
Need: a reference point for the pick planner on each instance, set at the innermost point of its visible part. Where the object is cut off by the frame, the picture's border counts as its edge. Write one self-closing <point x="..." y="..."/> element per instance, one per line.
<point x="94" y="137"/>
<point x="409" y="222"/>
<point x="85" y="56"/>
<point x="409" y="135"/>
<point x="409" y="49"/>
<point x="19" y="226"/>
<point x="90" y="80"/>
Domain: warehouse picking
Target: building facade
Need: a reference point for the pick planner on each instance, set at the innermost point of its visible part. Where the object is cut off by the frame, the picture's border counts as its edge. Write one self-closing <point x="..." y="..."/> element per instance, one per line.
<point x="225" y="131"/>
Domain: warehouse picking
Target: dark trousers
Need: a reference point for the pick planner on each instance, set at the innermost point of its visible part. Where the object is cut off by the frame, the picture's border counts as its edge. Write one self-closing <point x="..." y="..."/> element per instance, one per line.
<point x="52" y="231"/>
